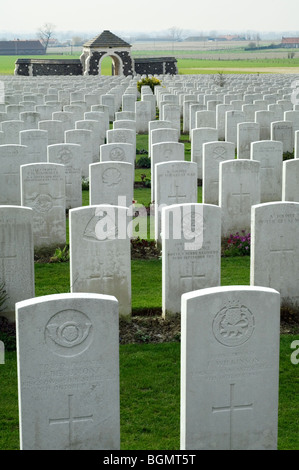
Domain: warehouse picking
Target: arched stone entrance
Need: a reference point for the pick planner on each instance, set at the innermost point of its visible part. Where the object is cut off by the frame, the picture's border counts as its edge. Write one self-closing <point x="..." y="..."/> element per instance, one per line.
<point x="107" y="44"/>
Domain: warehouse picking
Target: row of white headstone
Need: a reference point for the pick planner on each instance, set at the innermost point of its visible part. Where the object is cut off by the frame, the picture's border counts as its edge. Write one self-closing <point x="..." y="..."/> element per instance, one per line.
<point x="68" y="371"/>
<point x="51" y="187"/>
<point x="100" y="252"/>
<point x="230" y="336"/>
<point x="240" y="181"/>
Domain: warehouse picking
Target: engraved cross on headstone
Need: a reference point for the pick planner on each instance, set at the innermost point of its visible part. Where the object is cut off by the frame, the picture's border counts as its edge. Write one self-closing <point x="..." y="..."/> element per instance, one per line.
<point x="281" y="254"/>
<point x="177" y="196"/>
<point x="241" y="195"/>
<point x="193" y="278"/>
<point x="266" y="165"/>
<point x="70" y="420"/>
<point x="100" y="276"/>
<point x="6" y="262"/>
<point x="231" y="408"/>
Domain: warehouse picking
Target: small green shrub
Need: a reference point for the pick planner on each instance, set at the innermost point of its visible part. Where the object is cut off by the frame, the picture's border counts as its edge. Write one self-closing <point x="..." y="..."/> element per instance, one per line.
<point x="60" y="255"/>
<point x="85" y="184"/>
<point x="148" y="81"/>
<point x="143" y="162"/>
<point x="288" y="155"/>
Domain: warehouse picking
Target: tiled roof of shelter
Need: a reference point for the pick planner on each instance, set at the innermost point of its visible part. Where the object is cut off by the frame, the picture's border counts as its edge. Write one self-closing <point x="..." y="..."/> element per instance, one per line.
<point x="106" y="39"/>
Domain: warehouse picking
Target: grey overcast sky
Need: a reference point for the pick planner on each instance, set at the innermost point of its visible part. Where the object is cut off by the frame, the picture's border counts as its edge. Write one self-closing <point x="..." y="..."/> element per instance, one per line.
<point x="132" y="15"/>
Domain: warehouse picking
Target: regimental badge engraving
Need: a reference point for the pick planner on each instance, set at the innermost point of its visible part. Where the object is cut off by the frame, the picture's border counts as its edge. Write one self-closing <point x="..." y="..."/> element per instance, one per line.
<point x="65" y="156"/>
<point x="111" y="177"/>
<point x="68" y="333"/>
<point x="233" y="325"/>
<point x="117" y="154"/>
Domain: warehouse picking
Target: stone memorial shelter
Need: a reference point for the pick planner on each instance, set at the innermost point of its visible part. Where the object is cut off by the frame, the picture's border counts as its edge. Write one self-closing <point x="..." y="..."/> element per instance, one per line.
<point x="94" y="51"/>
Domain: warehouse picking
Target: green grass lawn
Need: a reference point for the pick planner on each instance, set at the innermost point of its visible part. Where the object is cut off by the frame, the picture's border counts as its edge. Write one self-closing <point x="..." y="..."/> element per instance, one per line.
<point x="150" y="398"/>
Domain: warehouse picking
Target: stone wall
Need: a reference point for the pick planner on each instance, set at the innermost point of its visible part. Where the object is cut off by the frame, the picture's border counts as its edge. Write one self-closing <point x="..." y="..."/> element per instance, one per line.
<point x="36" y="67"/>
<point x="148" y="66"/>
<point x="156" y="65"/>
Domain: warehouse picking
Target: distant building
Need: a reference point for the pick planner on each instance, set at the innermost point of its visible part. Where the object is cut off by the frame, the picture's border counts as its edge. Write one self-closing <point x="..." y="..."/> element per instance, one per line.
<point x="20" y="47"/>
<point x="228" y="37"/>
<point x="290" y="42"/>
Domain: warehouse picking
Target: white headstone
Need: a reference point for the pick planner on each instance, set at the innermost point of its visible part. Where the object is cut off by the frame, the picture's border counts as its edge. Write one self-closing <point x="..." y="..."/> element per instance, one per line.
<point x="100" y="253"/>
<point x="191" y="252"/>
<point x="264" y="119"/>
<point x="283" y="131"/>
<point x="143" y="116"/>
<point x="16" y="256"/>
<point x="43" y="189"/>
<point x="118" y="152"/>
<point x="232" y="119"/>
<point x="55" y="131"/>
<point x="290" y="180"/>
<point x="12" y="156"/>
<point x="239" y="189"/>
<point x="30" y="119"/>
<point x="68" y="372"/>
<point x="270" y="156"/>
<point x="111" y="183"/>
<point x="247" y="132"/>
<point x="67" y="119"/>
<point x="221" y="109"/>
<point x="96" y="135"/>
<point x="175" y="183"/>
<point x="127" y="136"/>
<point x="172" y="113"/>
<point x="109" y="100"/>
<point x="192" y="116"/>
<point x="164" y="152"/>
<point x="69" y="155"/>
<point x="213" y="154"/>
<point x="205" y="119"/>
<point x="11" y="131"/>
<point x="154" y="125"/>
<point x="230" y="369"/>
<point x="82" y="137"/>
<point x="36" y="141"/>
<point x="274" y="249"/>
<point x="201" y="136"/>
<point x="102" y="117"/>
<point x="128" y="102"/>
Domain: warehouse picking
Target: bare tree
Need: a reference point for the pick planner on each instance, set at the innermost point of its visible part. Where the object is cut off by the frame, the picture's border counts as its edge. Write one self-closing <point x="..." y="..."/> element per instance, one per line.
<point x="45" y="34"/>
<point x="175" y="33"/>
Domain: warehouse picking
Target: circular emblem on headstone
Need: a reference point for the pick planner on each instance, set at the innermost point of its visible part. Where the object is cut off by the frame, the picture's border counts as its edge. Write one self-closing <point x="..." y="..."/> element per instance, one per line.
<point x="233" y="325"/>
<point x="43" y="203"/>
<point x="65" y="156"/>
<point x="117" y="154"/>
<point x="68" y="333"/>
<point x="111" y="177"/>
